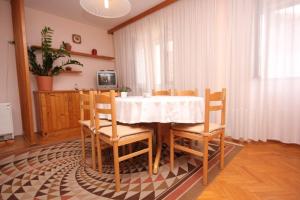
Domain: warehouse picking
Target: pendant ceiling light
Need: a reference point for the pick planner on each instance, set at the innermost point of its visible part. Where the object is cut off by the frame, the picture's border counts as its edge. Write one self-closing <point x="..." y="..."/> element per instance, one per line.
<point x="106" y="8"/>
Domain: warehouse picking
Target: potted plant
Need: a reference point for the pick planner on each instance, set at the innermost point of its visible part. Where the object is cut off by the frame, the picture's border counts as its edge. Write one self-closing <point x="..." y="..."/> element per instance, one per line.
<point x="47" y="69"/>
<point x="124" y="91"/>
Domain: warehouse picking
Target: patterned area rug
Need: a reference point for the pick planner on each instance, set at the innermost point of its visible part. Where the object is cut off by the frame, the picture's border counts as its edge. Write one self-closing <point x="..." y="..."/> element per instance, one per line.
<point x="56" y="172"/>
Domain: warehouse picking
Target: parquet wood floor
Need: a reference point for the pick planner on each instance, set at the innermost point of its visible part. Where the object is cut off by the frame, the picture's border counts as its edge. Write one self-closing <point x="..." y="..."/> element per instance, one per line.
<point x="19" y="145"/>
<point x="260" y="171"/>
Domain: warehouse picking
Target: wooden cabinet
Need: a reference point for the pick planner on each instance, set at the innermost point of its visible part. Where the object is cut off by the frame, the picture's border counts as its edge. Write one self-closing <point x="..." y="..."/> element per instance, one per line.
<point x="57" y="111"/>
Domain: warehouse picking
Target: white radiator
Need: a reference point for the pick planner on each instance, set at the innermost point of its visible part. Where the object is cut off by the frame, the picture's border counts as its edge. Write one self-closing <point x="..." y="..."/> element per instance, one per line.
<point x="6" y="122"/>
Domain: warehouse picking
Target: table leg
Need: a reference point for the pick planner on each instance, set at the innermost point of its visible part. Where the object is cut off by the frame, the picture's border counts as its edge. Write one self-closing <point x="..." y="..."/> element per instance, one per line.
<point x="158" y="148"/>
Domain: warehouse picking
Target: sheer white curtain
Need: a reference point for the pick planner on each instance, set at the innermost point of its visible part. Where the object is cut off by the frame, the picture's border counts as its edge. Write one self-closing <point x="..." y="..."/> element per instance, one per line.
<point x="251" y="47"/>
<point x="276" y="91"/>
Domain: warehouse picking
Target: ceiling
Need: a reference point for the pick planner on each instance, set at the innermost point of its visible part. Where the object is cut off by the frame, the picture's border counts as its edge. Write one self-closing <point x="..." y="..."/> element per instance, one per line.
<point x="71" y="9"/>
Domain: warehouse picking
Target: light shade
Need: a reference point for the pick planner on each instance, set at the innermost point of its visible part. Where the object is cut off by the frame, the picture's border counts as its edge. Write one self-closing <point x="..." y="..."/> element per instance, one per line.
<point x="106" y="8"/>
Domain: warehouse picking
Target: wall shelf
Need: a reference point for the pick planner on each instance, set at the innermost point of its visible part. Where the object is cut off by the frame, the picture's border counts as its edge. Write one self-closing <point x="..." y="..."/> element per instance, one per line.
<point x="81" y="54"/>
<point x="71" y="72"/>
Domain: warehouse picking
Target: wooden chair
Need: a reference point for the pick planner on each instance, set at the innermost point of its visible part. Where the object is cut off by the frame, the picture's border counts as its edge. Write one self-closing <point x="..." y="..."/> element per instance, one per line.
<point x="161" y="92"/>
<point x="202" y="132"/>
<point x="186" y="92"/>
<point x="87" y="125"/>
<point x="118" y="135"/>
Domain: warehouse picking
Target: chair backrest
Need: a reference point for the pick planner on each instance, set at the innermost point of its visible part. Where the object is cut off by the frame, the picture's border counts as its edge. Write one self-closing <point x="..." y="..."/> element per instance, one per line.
<point x="214" y="97"/>
<point x="161" y="92"/>
<point x="186" y="92"/>
<point x="86" y="105"/>
<point x="105" y="103"/>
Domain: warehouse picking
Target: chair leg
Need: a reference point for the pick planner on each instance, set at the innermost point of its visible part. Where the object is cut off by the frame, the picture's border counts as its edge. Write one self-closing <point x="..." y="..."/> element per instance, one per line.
<point x="83" y="144"/>
<point x="116" y="166"/>
<point x="93" y="151"/>
<point x="205" y="159"/>
<point x="171" y="150"/>
<point x="99" y="156"/>
<point x="222" y="150"/>
<point x="150" y="155"/>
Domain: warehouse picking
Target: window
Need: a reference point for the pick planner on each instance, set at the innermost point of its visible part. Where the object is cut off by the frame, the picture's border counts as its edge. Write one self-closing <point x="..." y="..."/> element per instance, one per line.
<point x="279" y="41"/>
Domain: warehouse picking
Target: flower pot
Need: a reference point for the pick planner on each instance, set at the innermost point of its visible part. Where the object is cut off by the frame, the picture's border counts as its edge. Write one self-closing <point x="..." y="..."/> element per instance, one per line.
<point x="94" y="52"/>
<point x="44" y="83"/>
<point x="123" y="94"/>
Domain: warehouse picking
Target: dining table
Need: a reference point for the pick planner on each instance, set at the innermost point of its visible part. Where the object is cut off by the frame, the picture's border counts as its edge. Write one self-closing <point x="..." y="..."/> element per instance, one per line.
<point x="160" y="110"/>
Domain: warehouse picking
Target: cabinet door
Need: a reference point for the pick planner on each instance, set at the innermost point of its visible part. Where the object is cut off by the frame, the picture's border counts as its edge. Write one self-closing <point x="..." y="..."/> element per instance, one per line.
<point x="57" y="111"/>
<point x="52" y="112"/>
<point x="62" y="108"/>
<point x="74" y="109"/>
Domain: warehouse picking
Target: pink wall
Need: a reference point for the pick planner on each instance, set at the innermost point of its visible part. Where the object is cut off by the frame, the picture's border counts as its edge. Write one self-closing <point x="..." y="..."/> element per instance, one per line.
<point x="92" y="37"/>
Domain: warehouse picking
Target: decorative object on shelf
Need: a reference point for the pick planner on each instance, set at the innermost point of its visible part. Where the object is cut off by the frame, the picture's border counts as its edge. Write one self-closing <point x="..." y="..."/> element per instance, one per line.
<point x="94" y="52"/>
<point x="76" y="38"/>
<point x="106" y="8"/>
<point x="68" y="68"/>
<point x="44" y="72"/>
<point x="67" y="46"/>
<point x="76" y="86"/>
<point x="124" y="91"/>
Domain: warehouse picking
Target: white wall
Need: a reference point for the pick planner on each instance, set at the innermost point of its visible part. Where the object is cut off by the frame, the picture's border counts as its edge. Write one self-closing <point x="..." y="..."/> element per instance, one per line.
<point x="92" y="37"/>
<point x="9" y="91"/>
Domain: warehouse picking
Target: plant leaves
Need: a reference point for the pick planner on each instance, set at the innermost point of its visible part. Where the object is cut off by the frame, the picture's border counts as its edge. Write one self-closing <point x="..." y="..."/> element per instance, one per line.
<point x="48" y="56"/>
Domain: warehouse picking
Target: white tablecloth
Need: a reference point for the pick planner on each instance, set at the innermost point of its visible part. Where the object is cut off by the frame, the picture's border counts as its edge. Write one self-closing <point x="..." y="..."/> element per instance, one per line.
<point x="163" y="109"/>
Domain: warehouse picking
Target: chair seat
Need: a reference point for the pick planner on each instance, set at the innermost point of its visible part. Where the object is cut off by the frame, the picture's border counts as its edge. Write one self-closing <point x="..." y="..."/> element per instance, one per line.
<point x="124" y="131"/>
<point x="87" y="123"/>
<point x="197" y="128"/>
